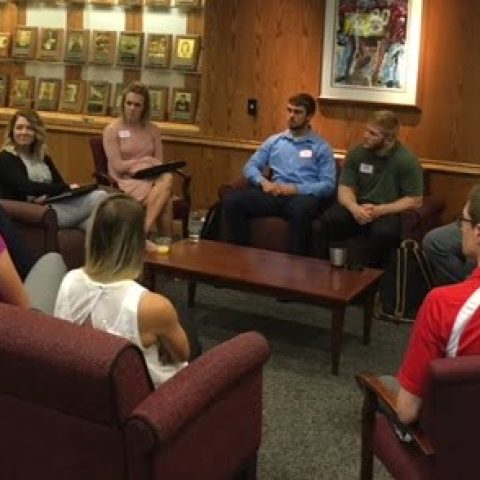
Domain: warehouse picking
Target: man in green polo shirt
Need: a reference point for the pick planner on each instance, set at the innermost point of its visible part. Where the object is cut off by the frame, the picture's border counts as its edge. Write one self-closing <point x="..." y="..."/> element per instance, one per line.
<point x="379" y="180"/>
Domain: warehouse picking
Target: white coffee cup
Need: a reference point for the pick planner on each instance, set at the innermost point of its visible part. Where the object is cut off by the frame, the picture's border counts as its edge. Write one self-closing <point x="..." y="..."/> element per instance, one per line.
<point x="338" y="256"/>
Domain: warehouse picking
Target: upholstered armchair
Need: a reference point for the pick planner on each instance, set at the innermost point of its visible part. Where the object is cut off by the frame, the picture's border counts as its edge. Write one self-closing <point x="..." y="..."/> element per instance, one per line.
<point x="445" y="439"/>
<point x="77" y="403"/>
<point x="181" y="204"/>
<point x="272" y="233"/>
<point x="41" y="234"/>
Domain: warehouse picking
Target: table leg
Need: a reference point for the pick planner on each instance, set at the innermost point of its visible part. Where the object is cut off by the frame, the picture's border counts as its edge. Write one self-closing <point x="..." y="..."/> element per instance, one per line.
<point x="338" y="319"/>
<point x="368" y="314"/>
<point x="192" y="288"/>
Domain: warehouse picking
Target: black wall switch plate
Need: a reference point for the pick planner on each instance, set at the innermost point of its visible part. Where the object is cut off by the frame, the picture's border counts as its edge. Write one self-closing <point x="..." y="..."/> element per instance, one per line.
<point x="252" y="106"/>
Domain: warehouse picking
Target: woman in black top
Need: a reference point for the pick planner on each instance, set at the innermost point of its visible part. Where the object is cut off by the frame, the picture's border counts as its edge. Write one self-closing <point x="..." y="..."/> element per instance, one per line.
<point x="27" y="173"/>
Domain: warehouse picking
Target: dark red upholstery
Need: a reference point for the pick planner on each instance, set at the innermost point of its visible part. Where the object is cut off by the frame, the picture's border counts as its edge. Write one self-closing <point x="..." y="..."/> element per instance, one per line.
<point x="449" y="422"/>
<point x="40" y="232"/>
<point x="77" y="403"/>
<point x="272" y="233"/>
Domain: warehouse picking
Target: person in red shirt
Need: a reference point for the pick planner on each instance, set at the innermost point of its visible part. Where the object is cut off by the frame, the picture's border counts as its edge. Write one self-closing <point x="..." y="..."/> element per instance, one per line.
<point x="448" y="322"/>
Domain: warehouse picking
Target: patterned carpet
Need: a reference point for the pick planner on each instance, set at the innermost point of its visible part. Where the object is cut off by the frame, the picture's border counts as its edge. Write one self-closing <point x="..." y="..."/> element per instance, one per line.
<point x="312" y="419"/>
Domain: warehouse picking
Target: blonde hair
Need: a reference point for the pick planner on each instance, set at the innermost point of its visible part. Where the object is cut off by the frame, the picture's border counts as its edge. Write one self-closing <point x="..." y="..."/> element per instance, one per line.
<point x="38" y="147"/>
<point x="115" y="241"/>
<point x="142" y="90"/>
<point x="387" y="121"/>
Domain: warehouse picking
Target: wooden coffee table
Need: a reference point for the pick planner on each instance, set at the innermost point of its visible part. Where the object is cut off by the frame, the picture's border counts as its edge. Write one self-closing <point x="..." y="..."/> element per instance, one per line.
<point x="292" y="277"/>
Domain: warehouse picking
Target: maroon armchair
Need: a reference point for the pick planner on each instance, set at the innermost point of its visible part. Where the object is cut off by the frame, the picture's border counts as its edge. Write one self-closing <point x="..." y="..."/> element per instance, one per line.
<point x="181" y="205"/>
<point x="445" y="438"/>
<point x="77" y="403"/>
<point x="40" y="232"/>
<point x="272" y="233"/>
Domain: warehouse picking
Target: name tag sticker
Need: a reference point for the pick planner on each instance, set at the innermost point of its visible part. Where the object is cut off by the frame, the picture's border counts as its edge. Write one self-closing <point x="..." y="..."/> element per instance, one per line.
<point x="366" y="168"/>
<point x="306" y="154"/>
<point x="124" y="133"/>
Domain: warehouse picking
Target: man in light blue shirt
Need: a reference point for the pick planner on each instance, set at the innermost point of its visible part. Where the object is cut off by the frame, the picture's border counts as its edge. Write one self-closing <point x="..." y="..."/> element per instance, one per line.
<point x="303" y="172"/>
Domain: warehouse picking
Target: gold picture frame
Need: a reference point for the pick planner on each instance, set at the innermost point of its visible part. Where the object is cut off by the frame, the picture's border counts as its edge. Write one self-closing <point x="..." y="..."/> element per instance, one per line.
<point x="158" y="50"/>
<point x="50" y="44"/>
<point x="72" y="97"/>
<point x="188" y="3"/>
<point x="130" y="3"/>
<point x="97" y="98"/>
<point x="158" y="102"/>
<point x="186" y="52"/>
<point x="48" y="93"/>
<point x="116" y="109"/>
<point x="5" y="39"/>
<point x="24" y="42"/>
<point x="77" y="43"/>
<point x="3" y="90"/>
<point x="158" y="3"/>
<point x="184" y="105"/>
<point x="21" y="93"/>
<point x="103" y="45"/>
<point x="130" y="49"/>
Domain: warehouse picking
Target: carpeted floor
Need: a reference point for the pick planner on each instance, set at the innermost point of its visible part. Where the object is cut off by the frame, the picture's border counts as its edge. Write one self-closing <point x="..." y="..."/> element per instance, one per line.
<point x="312" y="419"/>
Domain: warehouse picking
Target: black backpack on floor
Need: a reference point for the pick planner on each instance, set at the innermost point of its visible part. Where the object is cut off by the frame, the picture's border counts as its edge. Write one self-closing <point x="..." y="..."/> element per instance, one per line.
<point x="407" y="280"/>
<point x="212" y="225"/>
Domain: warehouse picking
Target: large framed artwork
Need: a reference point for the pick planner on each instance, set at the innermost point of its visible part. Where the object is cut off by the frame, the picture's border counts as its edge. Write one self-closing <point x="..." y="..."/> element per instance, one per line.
<point x="371" y="52"/>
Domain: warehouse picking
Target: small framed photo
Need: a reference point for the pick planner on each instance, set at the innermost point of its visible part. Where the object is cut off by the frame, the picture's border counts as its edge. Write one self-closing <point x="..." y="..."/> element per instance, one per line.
<point x="130" y="3"/>
<point x="188" y="3"/>
<point x="21" y="93"/>
<point x="98" y="96"/>
<point x="117" y="99"/>
<point x="184" y="103"/>
<point x="24" y="42"/>
<point x="186" y="51"/>
<point x="3" y="90"/>
<point x="158" y="3"/>
<point x="50" y="45"/>
<point x="72" y="97"/>
<point x="76" y="46"/>
<point x="157" y="51"/>
<point x="102" y="47"/>
<point x="48" y="93"/>
<point x="158" y="102"/>
<point x="4" y="44"/>
<point x="130" y="49"/>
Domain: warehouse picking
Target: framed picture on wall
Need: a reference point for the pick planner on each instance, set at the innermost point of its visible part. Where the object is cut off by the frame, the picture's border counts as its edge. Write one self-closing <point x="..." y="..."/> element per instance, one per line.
<point x="48" y="93"/>
<point x="21" y="92"/>
<point x="130" y="49"/>
<point x="50" y="44"/>
<point x="97" y="98"/>
<point x="24" y="42"/>
<point x="158" y="102"/>
<point x="158" y="3"/>
<point x="72" y="97"/>
<point x="184" y="102"/>
<point x="76" y="46"/>
<point x="371" y="56"/>
<point x="5" y="44"/>
<point x="103" y="47"/>
<point x="188" y="3"/>
<point x="157" y="50"/>
<point x="130" y="3"/>
<point x="186" y="51"/>
<point x="3" y="90"/>
<point x="117" y="100"/>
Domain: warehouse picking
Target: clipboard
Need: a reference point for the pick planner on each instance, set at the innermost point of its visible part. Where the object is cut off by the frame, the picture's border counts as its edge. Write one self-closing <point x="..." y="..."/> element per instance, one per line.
<point x="72" y="193"/>
<point x="157" y="170"/>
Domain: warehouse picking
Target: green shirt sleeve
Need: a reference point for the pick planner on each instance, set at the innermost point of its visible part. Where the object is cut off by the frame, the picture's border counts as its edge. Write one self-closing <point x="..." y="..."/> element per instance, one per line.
<point x="349" y="173"/>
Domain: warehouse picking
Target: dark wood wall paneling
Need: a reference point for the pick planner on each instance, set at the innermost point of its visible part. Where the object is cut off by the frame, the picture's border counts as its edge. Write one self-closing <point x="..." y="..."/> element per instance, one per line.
<point x="269" y="49"/>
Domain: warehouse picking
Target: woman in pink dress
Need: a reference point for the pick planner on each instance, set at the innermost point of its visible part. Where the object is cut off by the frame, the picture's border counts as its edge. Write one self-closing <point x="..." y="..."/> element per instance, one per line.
<point x="132" y="142"/>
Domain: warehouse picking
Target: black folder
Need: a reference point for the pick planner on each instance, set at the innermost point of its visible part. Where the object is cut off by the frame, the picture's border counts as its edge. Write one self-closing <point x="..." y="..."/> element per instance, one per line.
<point x="157" y="170"/>
<point x="72" y="193"/>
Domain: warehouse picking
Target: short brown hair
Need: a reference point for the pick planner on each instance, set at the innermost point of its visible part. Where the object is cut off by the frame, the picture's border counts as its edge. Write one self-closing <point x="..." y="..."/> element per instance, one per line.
<point x="115" y="242"/>
<point x="474" y="204"/>
<point x="304" y="100"/>
<point x="142" y="90"/>
<point x="387" y="121"/>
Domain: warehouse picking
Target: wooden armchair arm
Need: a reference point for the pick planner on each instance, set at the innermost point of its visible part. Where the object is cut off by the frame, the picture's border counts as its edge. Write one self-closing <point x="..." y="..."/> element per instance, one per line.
<point x="30" y="213"/>
<point x="104" y="179"/>
<point x="375" y="392"/>
<point x="417" y="222"/>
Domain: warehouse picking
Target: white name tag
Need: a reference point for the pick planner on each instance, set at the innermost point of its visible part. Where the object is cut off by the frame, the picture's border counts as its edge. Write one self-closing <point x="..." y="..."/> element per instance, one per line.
<point x="366" y="168"/>
<point x="124" y="133"/>
<point x="306" y="154"/>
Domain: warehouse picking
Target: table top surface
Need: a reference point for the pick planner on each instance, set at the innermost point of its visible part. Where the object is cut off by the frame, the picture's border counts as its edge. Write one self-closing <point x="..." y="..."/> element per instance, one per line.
<point x="279" y="273"/>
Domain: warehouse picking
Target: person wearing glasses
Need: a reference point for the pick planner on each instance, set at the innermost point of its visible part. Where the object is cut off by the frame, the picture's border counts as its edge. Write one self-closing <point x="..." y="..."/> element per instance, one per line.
<point x="448" y="322"/>
<point x="303" y="173"/>
<point x="443" y="247"/>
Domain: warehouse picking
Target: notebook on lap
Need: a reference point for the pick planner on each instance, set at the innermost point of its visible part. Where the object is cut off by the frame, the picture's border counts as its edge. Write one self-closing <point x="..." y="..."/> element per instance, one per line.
<point x="72" y="193"/>
<point x="157" y="170"/>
